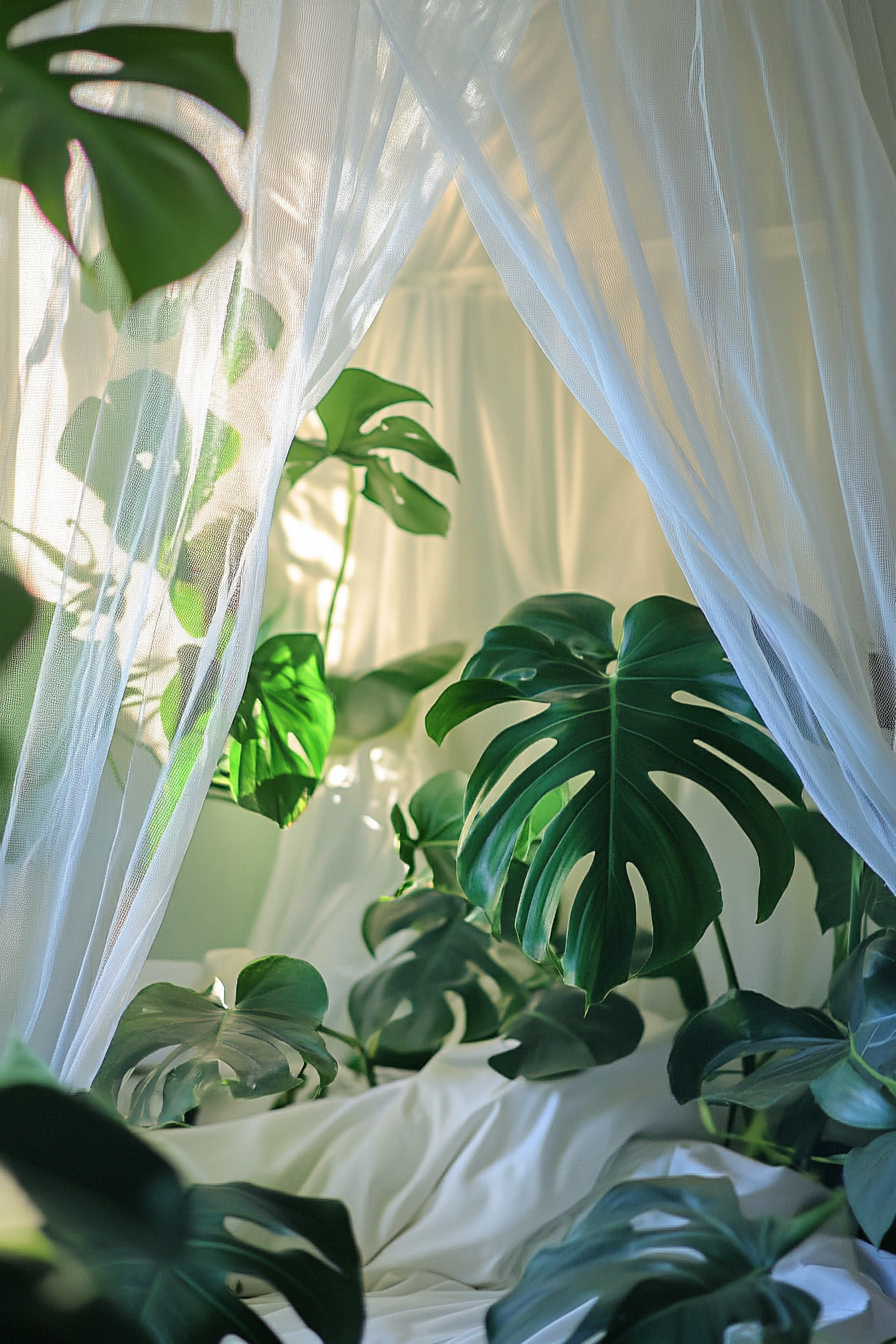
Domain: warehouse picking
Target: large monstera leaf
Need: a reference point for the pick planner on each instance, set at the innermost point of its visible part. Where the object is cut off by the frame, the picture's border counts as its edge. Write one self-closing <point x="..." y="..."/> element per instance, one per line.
<point x="165" y="208"/>
<point x="282" y="730"/>
<point x="354" y="398"/>
<point x="280" y="1004"/>
<point x="161" y="1260"/>
<point x="611" y="719"/>
<point x="668" y="1260"/>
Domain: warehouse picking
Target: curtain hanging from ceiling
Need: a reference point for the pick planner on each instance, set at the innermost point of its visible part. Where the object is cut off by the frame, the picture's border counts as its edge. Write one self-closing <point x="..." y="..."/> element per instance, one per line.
<point x="141" y="455"/>
<point x="693" y="206"/>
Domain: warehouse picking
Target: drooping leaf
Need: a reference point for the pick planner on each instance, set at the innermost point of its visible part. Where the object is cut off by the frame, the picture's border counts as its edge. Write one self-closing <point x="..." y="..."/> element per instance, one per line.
<point x="165" y="208"/>
<point x="557" y="1035"/>
<point x="161" y="1256"/>
<point x="282" y="730"/>
<point x="613" y="729"/>
<point x="371" y="704"/>
<point x="280" y="1004"/>
<point x="830" y="858"/>
<point x="354" y="398"/>
<point x="251" y="322"/>
<point x="18" y="610"/>
<point x="668" y="1260"/>
<point x="447" y="955"/>
<point x="869" y="1175"/>
<point x="437" y="812"/>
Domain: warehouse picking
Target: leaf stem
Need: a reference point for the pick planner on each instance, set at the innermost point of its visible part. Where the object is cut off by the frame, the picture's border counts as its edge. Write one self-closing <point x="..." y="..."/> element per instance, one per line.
<point x="346" y="551"/>
<point x="369" y="1070"/>
<point x="855" y="905"/>
<point x="725" y="950"/>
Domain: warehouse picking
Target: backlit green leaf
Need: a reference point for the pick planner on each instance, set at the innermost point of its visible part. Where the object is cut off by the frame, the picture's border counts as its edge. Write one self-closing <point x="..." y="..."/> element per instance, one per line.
<point x="370" y="704"/>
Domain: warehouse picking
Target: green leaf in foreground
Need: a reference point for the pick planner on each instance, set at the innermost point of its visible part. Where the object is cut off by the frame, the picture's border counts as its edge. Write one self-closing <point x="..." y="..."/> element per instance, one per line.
<point x="668" y="1260"/>
<point x="370" y="704"/>
<point x="605" y="732"/>
<point x="557" y="1035"/>
<point x="280" y="1004"/>
<point x="162" y="1256"/>
<point x="282" y="729"/>
<point x="165" y="208"/>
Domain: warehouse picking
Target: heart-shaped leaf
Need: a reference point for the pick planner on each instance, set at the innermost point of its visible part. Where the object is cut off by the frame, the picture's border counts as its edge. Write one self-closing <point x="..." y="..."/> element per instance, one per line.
<point x="557" y="1035"/>
<point x="354" y="398"/>
<point x="607" y="731"/>
<point x="165" y="208"/>
<point x="370" y="704"/>
<point x="282" y="730"/>
<point x="280" y="1004"/>
<point x="449" y="955"/>
<point x="667" y="1260"/>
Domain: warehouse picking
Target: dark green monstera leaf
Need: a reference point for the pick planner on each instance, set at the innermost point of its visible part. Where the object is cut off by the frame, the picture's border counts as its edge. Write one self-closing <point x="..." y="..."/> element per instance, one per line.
<point x="353" y="399"/>
<point x="668" y="1260"/>
<point x="370" y="704"/>
<point x="162" y="1256"/>
<point x="437" y="811"/>
<point x="165" y="208"/>
<point x="282" y="730"/>
<point x="400" y="1011"/>
<point x="831" y="860"/>
<point x="280" y="1004"/>
<point x="611" y="719"/>
<point x="558" y="1035"/>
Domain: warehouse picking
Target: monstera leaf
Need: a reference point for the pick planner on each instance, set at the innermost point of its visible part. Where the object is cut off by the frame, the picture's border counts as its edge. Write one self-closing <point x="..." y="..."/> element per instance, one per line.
<point x="848" y="1063"/>
<point x="449" y="955"/>
<point x="437" y="811"/>
<point x="280" y="1004"/>
<point x="165" y="208"/>
<point x="282" y="730"/>
<point x="668" y="1260"/>
<point x="352" y="400"/>
<point x="371" y="704"/>
<point x="161" y="1256"/>
<point x="557" y="1035"/>
<point x="831" y="860"/>
<point x="611" y="719"/>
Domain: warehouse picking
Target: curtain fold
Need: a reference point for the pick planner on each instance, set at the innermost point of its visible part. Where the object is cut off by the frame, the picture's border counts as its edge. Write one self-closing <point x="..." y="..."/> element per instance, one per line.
<point x="142" y="452"/>
<point x="692" y="205"/>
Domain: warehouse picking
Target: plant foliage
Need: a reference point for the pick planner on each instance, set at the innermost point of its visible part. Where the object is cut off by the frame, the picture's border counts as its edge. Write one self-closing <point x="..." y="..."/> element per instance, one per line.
<point x="280" y="1004"/>
<point x="371" y="704"/>
<point x="165" y="208"/>
<point x="558" y="1035"/>
<point x="612" y="718"/>
<point x="354" y="398"/>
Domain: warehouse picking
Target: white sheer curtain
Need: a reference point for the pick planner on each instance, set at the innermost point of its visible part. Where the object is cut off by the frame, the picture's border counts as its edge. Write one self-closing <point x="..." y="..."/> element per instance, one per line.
<point x="145" y="455"/>
<point x="693" y="206"/>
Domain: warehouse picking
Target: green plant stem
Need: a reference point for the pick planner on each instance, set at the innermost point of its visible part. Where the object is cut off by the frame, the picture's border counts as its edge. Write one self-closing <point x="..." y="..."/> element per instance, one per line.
<point x="346" y="552"/>
<point x="727" y="961"/>
<point x="369" y="1070"/>
<point x="855" y="906"/>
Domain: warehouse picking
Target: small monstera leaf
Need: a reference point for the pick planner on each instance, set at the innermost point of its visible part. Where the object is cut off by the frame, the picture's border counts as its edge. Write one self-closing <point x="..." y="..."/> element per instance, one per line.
<point x="162" y="1256"/>
<point x="282" y="730"/>
<point x="280" y="1004"/>
<point x="351" y="401"/>
<point x="831" y="859"/>
<point x="449" y="955"/>
<point x="848" y="1060"/>
<point x="668" y="1260"/>
<point x="165" y="208"/>
<point x="613" y="727"/>
<point x="558" y="1035"/>
<point x="370" y="704"/>
<point x="437" y="811"/>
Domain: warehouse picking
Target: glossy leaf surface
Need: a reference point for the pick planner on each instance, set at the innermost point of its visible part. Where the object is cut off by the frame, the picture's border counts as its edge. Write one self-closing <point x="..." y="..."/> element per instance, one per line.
<point x="282" y="729"/>
<point x="668" y="1260"/>
<point x="165" y="208"/>
<point x="280" y="1004"/>
<point x="370" y="704"/>
<point x="557" y="1035"/>
<point x="354" y="398"/>
<point x="604" y="732"/>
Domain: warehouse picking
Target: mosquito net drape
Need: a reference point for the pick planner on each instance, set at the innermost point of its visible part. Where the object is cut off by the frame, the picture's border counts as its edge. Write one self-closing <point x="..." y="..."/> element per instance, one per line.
<point x="141" y="454"/>
<point x="693" y="206"/>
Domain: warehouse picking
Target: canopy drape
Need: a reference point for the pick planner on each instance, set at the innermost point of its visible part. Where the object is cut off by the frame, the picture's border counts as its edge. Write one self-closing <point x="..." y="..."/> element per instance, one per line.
<point x="692" y="205"/>
<point x="141" y="455"/>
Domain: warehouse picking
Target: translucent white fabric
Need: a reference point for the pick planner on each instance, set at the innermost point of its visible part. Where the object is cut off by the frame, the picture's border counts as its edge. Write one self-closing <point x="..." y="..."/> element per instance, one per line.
<point x="693" y="206"/>
<point x="140" y="462"/>
<point x="456" y="1176"/>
